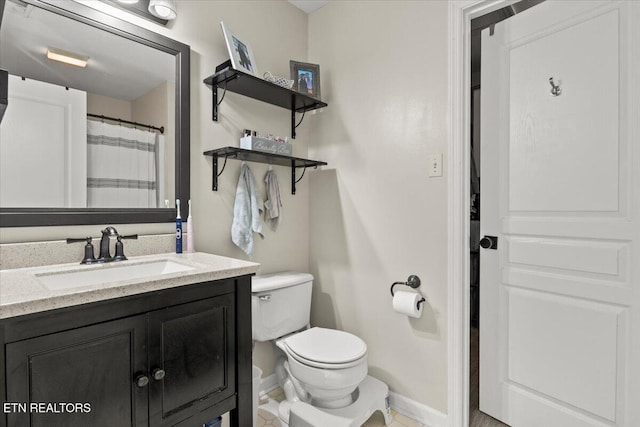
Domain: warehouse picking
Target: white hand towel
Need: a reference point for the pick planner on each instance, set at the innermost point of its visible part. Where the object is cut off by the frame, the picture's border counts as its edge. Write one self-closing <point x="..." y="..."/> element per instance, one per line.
<point x="246" y="211"/>
<point x="274" y="203"/>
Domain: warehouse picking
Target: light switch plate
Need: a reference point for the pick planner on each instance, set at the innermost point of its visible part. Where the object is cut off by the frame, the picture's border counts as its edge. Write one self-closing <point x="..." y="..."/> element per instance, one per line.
<point x="435" y="165"/>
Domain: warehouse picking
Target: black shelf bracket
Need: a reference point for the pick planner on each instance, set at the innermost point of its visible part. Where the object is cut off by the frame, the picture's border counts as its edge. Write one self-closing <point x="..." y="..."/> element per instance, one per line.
<point x="293" y="124"/>
<point x="294" y="181"/>
<point x="259" y="157"/>
<point x="214" y="104"/>
<point x="214" y="177"/>
<point x="215" y="173"/>
<point x="254" y="87"/>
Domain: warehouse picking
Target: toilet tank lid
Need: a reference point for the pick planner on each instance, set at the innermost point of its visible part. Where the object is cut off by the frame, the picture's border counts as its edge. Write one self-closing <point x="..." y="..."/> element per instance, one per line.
<point x="269" y="282"/>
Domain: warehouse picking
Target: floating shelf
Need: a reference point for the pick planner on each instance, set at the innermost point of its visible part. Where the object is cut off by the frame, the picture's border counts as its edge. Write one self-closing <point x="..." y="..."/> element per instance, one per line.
<point x="260" y="157"/>
<point x="254" y="87"/>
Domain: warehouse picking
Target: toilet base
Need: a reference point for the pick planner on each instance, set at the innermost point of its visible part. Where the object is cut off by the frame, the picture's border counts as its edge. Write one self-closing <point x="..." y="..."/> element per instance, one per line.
<point x="373" y="395"/>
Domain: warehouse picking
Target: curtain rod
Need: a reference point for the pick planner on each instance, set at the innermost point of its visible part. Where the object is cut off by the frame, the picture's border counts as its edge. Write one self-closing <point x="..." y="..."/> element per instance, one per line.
<point x="100" y="116"/>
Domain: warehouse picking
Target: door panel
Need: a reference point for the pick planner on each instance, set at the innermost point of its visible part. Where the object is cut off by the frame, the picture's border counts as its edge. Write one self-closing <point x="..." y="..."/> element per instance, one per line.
<point x="560" y="297"/>
<point x="194" y="344"/>
<point x="564" y="254"/>
<point x="93" y="365"/>
<point x="61" y="118"/>
<point x="555" y="162"/>
<point x="579" y="349"/>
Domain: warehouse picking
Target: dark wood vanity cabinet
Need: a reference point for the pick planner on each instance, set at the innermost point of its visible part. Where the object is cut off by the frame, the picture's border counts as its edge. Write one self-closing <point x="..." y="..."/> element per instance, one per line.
<point x="176" y="357"/>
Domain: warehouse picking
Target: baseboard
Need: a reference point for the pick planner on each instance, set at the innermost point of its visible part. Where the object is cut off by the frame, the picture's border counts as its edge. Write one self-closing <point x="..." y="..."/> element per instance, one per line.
<point x="268" y="383"/>
<point x="425" y="414"/>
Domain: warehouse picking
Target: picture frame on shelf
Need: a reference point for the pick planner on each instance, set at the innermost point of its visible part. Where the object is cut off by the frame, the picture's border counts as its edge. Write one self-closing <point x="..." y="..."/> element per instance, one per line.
<point x="306" y="78"/>
<point x="239" y="51"/>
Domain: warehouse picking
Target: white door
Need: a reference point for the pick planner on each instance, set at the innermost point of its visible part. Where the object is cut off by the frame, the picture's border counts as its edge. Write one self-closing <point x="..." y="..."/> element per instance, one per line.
<point x="43" y="146"/>
<point x="560" y="296"/>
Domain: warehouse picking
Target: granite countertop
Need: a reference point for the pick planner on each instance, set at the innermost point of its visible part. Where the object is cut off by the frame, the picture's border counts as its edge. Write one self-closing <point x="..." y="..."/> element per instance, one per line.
<point x="21" y="292"/>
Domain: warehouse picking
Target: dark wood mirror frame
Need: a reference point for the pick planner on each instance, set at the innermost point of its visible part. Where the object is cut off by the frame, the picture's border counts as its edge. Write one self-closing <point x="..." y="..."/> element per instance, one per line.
<point x="32" y="217"/>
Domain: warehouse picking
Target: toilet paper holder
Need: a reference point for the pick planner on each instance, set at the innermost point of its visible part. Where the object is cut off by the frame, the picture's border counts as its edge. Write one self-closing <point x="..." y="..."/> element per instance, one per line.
<point x="413" y="281"/>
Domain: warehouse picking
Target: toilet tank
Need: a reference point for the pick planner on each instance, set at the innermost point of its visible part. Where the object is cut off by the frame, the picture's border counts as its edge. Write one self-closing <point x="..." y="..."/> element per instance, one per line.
<point x="280" y="304"/>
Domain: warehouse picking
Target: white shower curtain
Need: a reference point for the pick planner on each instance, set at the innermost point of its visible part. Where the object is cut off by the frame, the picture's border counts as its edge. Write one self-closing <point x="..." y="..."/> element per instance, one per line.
<point x="121" y="166"/>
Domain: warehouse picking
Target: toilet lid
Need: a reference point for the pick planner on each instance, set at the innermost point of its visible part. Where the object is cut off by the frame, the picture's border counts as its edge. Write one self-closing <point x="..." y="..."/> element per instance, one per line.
<point x="327" y="345"/>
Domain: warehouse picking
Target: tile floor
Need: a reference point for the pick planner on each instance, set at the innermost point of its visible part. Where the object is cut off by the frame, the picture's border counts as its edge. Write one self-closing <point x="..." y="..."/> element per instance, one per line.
<point x="267" y="419"/>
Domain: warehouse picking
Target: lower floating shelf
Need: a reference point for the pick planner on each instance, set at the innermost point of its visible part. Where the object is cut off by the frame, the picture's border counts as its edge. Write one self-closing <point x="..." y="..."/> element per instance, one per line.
<point x="260" y="157"/>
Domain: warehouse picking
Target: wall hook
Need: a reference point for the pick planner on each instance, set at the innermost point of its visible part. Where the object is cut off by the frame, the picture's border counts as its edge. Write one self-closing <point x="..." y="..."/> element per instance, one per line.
<point x="555" y="90"/>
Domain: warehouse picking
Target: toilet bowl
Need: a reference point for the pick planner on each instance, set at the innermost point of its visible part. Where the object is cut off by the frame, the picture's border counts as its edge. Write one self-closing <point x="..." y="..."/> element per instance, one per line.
<point x="328" y="365"/>
<point x="319" y="368"/>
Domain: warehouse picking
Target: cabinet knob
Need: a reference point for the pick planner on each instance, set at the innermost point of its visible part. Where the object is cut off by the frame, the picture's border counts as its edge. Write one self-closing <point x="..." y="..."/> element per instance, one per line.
<point x="142" y="381"/>
<point x="158" y="374"/>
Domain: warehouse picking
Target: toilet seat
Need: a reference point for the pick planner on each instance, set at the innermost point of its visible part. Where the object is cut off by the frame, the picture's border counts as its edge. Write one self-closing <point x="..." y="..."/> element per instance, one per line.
<point x="326" y="348"/>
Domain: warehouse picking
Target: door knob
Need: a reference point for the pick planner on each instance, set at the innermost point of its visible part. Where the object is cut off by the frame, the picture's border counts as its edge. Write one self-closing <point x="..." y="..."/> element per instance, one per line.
<point x="158" y="374"/>
<point x="142" y="381"/>
<point x="489" y="242"/>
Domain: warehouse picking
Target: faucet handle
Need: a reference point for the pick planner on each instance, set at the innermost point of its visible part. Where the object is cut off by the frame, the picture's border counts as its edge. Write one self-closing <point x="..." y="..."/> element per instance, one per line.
<point x="80" y="240"/>
<point x="89" y="256"/>
<point x="120" y="247"/>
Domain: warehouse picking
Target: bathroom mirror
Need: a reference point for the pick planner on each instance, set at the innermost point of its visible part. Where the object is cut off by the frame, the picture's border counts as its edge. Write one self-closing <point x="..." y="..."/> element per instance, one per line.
<point x="68" y="155"/>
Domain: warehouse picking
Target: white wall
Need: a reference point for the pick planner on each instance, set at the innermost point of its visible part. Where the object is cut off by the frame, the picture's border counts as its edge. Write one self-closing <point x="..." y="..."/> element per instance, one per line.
<point x="375" y="215"/>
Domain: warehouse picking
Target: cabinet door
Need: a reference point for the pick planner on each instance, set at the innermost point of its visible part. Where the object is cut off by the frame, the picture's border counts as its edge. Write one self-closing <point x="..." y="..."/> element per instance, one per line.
<point x="81" y="377"/>
<point x="192" y="354"/>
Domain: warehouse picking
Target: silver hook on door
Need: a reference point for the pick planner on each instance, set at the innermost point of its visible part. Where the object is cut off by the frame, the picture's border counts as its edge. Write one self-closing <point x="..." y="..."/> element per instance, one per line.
<point x="555" y="90"/>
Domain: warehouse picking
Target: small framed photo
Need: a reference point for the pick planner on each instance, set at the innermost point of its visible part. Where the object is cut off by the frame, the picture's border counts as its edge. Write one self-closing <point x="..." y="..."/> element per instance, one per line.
<point x="306" y="78"/>
<point x="240" y="52"/>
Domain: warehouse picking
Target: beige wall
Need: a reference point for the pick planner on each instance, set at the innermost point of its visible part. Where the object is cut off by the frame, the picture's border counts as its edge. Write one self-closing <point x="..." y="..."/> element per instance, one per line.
<point x="375" y="215"/>
<point x="372" y="216"/>
<point x="107" y="106"/>
<point x="277" y="32"/>
<point x="157" y="108"/>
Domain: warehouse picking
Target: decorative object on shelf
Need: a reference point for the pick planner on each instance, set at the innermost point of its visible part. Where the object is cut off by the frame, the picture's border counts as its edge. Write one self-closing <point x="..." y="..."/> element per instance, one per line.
<point x="240" y="52"/>
<point x="280" y="81"/>
<point x="306" y="78"/>
<point x="266" y="145"/>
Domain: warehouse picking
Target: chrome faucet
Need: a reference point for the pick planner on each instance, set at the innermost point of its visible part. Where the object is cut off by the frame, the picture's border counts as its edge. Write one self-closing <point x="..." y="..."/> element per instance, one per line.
<point x="108" y="232"/>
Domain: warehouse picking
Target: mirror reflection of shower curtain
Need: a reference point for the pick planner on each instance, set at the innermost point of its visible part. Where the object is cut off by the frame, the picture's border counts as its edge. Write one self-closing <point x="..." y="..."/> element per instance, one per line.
<point x="121" y="166"/>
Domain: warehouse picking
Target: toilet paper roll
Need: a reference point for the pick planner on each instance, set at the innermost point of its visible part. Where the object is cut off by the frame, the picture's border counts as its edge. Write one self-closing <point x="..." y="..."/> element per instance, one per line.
<point x="407" y="303"/>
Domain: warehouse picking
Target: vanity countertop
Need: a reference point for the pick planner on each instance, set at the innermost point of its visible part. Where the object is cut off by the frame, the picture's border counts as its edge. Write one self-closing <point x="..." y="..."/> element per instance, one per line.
<point x="22" y="292"/>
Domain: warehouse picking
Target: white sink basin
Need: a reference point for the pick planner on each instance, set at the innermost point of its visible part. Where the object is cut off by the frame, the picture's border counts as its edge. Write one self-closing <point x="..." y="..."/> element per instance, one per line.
<point x="108" y="273"/>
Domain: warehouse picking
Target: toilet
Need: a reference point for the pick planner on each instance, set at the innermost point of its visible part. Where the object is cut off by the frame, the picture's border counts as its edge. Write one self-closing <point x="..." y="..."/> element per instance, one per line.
<point x="323" y="372"/>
